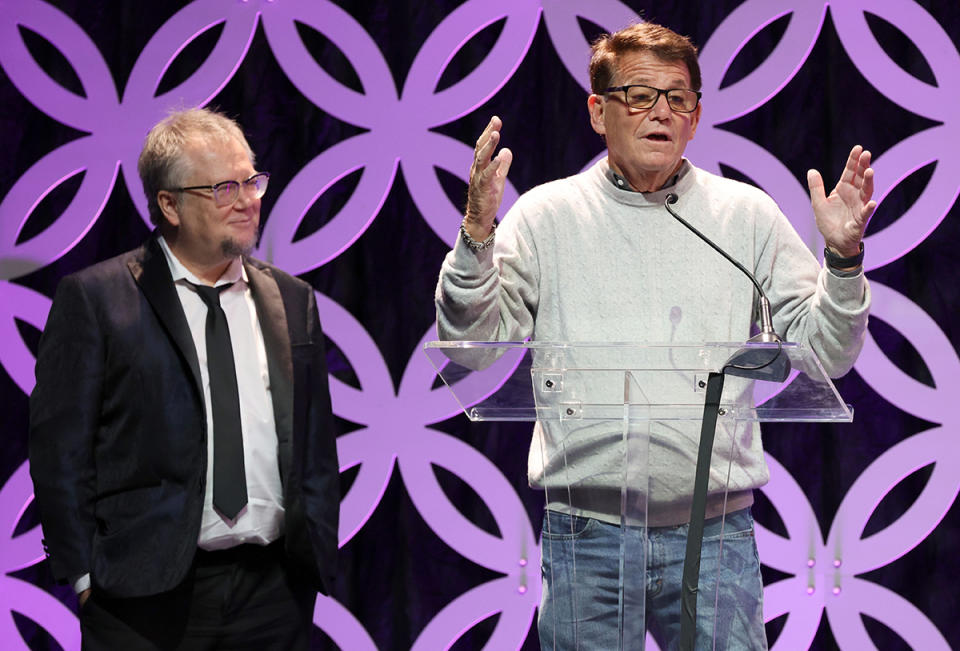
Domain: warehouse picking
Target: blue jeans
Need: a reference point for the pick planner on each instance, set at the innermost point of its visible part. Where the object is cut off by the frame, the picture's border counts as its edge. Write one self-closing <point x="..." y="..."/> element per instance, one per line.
<point x="586" y="586"/>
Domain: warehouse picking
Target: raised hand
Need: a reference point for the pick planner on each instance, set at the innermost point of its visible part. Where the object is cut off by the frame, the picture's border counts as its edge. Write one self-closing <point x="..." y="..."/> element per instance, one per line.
<point x="843" y="215"/>
<point x="488" y="176"/>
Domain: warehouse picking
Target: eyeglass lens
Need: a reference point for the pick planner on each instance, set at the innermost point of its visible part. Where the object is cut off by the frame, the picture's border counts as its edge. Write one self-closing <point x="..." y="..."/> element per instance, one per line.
<point x="227" y="192"/>
<point x="678" y="99"/>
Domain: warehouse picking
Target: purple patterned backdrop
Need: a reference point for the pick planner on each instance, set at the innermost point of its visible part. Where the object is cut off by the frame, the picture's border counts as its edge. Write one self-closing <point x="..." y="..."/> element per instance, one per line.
<point x="365" y="113"/>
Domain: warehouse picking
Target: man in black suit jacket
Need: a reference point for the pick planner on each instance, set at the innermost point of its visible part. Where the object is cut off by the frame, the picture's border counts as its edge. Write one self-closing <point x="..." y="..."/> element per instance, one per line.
<point x="129" y="453"/>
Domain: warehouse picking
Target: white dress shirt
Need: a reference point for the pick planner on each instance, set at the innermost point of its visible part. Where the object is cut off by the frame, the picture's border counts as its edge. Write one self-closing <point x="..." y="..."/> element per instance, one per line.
<point x="261" y="520"/>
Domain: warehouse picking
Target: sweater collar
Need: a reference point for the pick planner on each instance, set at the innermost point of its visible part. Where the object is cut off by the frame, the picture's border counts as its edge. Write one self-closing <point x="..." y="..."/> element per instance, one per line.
<point x="623" y="193"/>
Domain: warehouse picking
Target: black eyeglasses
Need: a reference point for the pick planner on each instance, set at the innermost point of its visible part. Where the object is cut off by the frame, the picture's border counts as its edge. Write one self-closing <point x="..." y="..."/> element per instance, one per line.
<point x="226" y="193"/>
<point x="681" y="100"/>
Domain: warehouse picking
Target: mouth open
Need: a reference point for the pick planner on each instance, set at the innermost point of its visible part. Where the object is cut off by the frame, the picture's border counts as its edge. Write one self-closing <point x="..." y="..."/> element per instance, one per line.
<point x="658" y="137"/>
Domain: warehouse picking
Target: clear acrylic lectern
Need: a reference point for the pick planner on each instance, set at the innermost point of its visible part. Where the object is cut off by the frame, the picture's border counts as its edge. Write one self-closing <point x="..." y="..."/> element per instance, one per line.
<point x="617" y="438"/>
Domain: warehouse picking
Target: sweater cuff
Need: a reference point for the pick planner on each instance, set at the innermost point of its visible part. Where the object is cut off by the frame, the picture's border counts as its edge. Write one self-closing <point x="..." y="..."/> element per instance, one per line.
<point x="465" y="258"/>
<point x="846" y="289"/>
<point x="849" y="273"/>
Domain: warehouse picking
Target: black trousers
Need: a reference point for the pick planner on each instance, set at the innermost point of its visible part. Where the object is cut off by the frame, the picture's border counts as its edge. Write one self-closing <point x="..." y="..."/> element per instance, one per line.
<point x="246" y="597"/>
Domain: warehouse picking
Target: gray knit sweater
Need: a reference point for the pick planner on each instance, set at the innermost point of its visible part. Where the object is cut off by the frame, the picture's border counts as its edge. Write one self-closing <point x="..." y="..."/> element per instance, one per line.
<point x="581" y="260"/>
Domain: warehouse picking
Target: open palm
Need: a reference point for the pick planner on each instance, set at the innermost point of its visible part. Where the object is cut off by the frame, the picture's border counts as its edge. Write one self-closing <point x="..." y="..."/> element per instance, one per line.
<point x="842" y="215"/>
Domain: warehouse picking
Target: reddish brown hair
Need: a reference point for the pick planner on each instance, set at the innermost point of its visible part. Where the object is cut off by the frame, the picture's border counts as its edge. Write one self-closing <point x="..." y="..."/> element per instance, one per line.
<point x="660" y="41"/>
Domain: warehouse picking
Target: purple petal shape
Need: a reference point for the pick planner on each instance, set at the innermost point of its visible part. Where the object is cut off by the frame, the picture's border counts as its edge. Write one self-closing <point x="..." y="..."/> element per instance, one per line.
<point x="767" y="79"/>
<point x="935" y="102"/>
<point x="82" y="113"/>
<point x="82" y="155"/>
<point x="930" y="208"/>
<point x="31" y="307"/>
<point x="560" y="17"/>
<point x="436" y="108"/>
<point x="39" y="606"/>
<point x="862" y="555"/>
<point x="376" y="106"/>
<point x="435" y="405"/>
<point x="373" y="448"/>
<point x="239" y="24"/>
<point x="419" y="171"/>
<point x="804" y="538"/>
<point x="502" y="554"/>
<point x="886" y="606"/>
<point x="373" y="402"/>
<point x="334" y="237"/>
<point x="930" y="403"/>
<point x="789" y="596"/>
<point x="332" y="618"/>
<point x="25" y="549"/>
<point x="376" y="460"/>
<point x="466" y="611"/>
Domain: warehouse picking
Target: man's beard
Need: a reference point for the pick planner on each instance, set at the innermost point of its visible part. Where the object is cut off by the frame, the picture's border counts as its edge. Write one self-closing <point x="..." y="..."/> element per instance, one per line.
<point x="232" y="248"/>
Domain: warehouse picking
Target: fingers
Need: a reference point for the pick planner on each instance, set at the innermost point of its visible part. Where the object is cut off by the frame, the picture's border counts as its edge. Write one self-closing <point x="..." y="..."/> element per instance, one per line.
<point x="484" y="151"/>
<point x="863" y="182"/>
<point x="488" y="176"/>
<point x="487" y="143"/>
<point x="485" y="167"/>
<point x="851" y="169"/>
<point x="856" y="169"/>
<point x="493" y="125"/>
<point x="492" y="178"/>
<point x="866" y="189"/>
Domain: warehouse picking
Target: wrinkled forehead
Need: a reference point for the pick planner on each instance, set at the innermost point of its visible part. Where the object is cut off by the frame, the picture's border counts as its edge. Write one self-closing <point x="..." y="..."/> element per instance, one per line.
<point x="646" y="67"/>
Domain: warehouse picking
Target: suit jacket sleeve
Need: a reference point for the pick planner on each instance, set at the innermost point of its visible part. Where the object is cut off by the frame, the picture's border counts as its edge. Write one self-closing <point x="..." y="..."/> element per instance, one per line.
<point x="315" y="441"/>
<point x="64" y="410"/>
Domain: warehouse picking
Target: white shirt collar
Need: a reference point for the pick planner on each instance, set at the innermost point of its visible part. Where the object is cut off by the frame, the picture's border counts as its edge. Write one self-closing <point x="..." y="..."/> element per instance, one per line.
<point x="234" y="272"/>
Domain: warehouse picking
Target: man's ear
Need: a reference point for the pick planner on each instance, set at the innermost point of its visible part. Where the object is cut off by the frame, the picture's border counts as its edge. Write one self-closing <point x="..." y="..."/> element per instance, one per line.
<point x="595" y="104"/>
<point x="695" y="120"/>
<point x="168" y="204"/>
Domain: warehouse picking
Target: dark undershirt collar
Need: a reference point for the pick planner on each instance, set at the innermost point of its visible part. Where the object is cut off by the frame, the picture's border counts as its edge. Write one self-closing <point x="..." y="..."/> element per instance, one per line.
<point x="623" y="184"/>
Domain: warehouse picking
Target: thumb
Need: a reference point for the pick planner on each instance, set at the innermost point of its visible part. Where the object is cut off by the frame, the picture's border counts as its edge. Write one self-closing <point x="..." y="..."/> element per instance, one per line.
<point x="504" y="158"/>
<point x="815" y="184"/>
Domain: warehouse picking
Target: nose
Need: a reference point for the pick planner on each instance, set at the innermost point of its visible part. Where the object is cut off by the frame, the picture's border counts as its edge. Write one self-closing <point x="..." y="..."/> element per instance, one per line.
<point x="246" y="198"/>
<point x="661" y="108"/>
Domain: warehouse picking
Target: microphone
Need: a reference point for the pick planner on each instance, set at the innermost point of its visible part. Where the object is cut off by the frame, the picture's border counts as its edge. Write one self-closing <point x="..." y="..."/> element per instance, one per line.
<point x="748" y="362"/>
<point x="751" y="362"/>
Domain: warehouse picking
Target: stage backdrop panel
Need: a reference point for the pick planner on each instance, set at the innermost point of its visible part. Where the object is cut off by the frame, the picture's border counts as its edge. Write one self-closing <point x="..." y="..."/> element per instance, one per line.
<point x="365" y="112"/>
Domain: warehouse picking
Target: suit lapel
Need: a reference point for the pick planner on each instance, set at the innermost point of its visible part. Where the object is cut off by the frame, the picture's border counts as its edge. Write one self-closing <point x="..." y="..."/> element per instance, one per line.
<point x="152" y="273"/>
<point x="276" y="339"/>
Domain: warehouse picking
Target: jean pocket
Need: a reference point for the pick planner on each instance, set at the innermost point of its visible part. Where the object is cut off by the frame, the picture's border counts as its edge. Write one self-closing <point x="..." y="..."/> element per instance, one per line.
<point x="730" y="535"/>
<point x="561" y="526"/>
<point x="736" y="526"/>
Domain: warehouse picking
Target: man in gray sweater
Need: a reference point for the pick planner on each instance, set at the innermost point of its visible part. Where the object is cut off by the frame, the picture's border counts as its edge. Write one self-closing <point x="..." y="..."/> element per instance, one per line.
<point x="596" y="257"/>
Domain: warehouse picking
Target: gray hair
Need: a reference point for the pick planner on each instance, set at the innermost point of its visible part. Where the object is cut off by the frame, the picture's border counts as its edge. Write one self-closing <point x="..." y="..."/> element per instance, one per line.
<point x="162" y="164"/>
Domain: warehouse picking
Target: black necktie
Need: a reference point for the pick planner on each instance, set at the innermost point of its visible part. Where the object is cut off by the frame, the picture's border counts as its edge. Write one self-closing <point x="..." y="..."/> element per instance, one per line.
<point x="229" y="478"/>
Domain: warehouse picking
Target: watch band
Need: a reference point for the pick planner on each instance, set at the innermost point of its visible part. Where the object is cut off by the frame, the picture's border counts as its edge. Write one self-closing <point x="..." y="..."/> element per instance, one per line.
<point x="839" y="262"/>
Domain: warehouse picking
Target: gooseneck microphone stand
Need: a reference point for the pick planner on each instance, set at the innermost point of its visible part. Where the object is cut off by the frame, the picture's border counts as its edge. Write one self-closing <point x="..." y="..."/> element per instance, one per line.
<point x="748" y="362"/>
